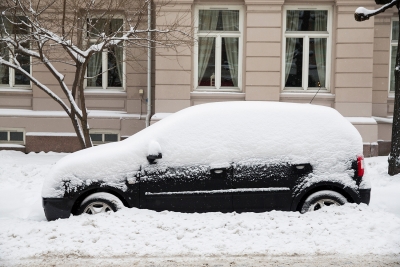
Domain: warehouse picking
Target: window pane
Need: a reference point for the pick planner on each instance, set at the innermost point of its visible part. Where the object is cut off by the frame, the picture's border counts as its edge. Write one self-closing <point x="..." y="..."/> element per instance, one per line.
<point x="16" y="136"/>
<point x="392" y="66"/>
<point x="94" y="70"/>
<point x="4" y="70"/>
<point x="115" y="67"/>
<point x="219" y="20"/>
<point x="395" y="30"/>
<point x="24" y="61"/>
<point x="3" y="136"/>
<point x="14" y="25"/>
<point x="95" y="27"/>
<point x="108" y="26"/>
<point x="206" y="65"/>
<point x="294" y="62"/>
<point x="317" y="62"/>
<point x="111" y="137"/>
<point x="229" y="62"/>
<point x="306" y="20"/>
<point x="20" y="26"/>
<point x="96" y="137"/>
<point x="116" y="25"/>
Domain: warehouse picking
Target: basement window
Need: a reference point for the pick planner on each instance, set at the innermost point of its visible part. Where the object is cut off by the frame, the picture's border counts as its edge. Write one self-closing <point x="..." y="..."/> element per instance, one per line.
<point x="99" y="138"/>
<point x="12" y="136"/>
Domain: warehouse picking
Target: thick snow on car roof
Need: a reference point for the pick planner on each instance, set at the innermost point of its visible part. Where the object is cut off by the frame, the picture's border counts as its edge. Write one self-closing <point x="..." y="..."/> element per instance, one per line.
<point x="220" y="134"/>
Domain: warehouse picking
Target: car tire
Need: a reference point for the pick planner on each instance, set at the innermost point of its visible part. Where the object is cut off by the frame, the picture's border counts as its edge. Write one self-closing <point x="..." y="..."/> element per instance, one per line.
<point x="100" y="203"/>
<point x="322" y="198"/>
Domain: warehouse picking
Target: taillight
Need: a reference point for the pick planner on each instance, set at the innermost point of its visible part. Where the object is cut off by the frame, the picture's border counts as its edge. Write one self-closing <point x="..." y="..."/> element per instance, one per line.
<point x="360" y="166"/>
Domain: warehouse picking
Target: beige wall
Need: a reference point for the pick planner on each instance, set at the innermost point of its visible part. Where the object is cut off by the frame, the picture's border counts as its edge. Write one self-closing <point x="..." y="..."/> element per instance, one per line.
<point x="262" y="57"/>
<point x="359" y="67"/>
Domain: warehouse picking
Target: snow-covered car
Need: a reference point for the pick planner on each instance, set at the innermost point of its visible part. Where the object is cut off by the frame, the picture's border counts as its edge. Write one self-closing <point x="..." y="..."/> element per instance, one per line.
<point x="229" y="156"/>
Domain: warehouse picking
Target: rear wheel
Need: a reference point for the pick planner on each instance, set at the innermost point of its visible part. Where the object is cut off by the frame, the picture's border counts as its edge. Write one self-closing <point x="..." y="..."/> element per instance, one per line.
<point x="321" y="199"/>
<point x="100" y="203"/>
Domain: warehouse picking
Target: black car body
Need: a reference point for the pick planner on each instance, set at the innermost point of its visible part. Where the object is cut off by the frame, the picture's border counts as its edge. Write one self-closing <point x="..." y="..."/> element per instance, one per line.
<point x="232" y="180"/>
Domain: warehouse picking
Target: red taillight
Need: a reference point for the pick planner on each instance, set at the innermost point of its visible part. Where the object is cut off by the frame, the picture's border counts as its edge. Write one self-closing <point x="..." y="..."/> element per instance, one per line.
<point x="360" y="166"/>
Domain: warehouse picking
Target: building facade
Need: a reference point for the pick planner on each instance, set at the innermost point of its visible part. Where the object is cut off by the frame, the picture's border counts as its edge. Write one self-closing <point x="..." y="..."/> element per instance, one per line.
<point x="245" y="50"/>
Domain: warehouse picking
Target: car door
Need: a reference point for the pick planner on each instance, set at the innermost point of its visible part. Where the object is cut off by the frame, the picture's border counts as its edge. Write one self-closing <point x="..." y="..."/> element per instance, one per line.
<point x="259" y="185"/>
<point x="196" y="188"/>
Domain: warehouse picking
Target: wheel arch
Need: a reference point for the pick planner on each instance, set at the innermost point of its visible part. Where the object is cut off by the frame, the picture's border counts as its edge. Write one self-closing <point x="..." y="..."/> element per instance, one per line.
<point x="351" y="195"/>
<point x="78" y="201"/>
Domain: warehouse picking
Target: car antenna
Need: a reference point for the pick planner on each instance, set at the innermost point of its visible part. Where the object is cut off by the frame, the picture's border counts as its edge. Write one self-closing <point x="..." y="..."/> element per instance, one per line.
<point x="319" y="85"/>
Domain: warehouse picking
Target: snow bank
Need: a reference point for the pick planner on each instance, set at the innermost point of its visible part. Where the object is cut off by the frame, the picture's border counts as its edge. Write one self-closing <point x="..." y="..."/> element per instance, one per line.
<point x="221" y="133"/>
<point x="25" y="233"/>
<point x="349" y="229"/>
<point x="385" y="188"/>
<point x="21" y="179"/>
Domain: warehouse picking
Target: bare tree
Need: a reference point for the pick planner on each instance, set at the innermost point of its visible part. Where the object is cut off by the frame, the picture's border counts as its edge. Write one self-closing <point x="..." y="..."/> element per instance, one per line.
<point x="75" y="33"/>
<point x="363" y="14"/>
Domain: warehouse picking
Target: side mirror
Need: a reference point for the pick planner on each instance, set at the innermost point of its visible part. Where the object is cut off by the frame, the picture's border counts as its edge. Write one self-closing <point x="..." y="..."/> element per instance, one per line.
<point x="154" y="152"/>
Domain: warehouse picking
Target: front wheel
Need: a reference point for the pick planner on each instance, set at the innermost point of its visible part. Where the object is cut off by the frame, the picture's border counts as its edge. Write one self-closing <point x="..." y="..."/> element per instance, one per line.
<point x="321" y="199"/>
<point x="100" y="203"/>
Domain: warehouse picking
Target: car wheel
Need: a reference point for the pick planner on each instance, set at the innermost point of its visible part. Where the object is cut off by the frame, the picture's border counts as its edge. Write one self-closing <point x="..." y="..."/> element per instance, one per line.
<point x="321" y="199"/>
<point x="100" y="203"/>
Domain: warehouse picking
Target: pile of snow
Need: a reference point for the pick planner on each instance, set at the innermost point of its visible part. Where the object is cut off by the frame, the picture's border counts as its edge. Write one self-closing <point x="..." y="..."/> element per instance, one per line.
<point x="385" y="189"/>
<point x="220" y="133"/>
<point x="358" y="230"/>
<point x="350" y="229"/>
<point x="21" y="178"/>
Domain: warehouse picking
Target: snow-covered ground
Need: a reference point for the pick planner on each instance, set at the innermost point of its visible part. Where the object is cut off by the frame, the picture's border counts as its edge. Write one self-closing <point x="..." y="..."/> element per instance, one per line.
<point x="133" y="236"/>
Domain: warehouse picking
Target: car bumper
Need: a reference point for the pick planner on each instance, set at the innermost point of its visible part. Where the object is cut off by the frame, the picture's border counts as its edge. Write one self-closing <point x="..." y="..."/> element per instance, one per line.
<point x="56" y="208"/>
<point x="365" y="195"/>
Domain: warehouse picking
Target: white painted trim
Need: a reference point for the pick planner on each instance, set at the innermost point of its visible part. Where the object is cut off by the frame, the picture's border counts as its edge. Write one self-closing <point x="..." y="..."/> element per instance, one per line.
<point x="239" y="190"/>
<point x="218" y="35"/>
<point x="104" y="67"/>
<point x="307" y="36"/>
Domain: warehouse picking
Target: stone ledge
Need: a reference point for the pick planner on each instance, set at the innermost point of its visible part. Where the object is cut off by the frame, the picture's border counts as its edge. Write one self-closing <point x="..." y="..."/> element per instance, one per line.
<point x="55" y="143"/>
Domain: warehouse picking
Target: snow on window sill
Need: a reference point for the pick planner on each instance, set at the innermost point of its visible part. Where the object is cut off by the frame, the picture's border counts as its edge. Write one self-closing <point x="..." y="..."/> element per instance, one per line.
<point x="9" y="145"/>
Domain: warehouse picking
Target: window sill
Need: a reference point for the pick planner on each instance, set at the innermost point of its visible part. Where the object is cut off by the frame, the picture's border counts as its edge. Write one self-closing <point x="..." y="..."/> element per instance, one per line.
<point x="113" y="90"/>
<point x="105" y="92"/>
<point x="307" y="95"/>
<point x="218" y="95"/>
<point x="21" y="91"/>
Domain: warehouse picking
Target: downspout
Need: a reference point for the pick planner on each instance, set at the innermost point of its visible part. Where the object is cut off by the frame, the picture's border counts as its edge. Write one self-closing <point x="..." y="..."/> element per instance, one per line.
<point x="148" y="116"/>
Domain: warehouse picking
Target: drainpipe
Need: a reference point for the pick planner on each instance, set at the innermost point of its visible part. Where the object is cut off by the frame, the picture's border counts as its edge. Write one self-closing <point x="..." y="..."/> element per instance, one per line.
<point x="148" y="116"/>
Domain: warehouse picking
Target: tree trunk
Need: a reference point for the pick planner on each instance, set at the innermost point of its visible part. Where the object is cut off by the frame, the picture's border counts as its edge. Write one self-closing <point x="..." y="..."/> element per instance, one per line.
<point x="394" y="157"/>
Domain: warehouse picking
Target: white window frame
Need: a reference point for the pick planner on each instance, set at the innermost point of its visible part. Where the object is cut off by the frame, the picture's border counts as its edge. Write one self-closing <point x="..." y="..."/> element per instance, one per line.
<point x="8" y="130"/>
<point x="103" y="133"/>
<point x="306" y="44"/>
<point x="218" y="35"/>
<point x="393" y="44"/>
<point x="11" y="75"/>
<point x="104" y="66"/>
